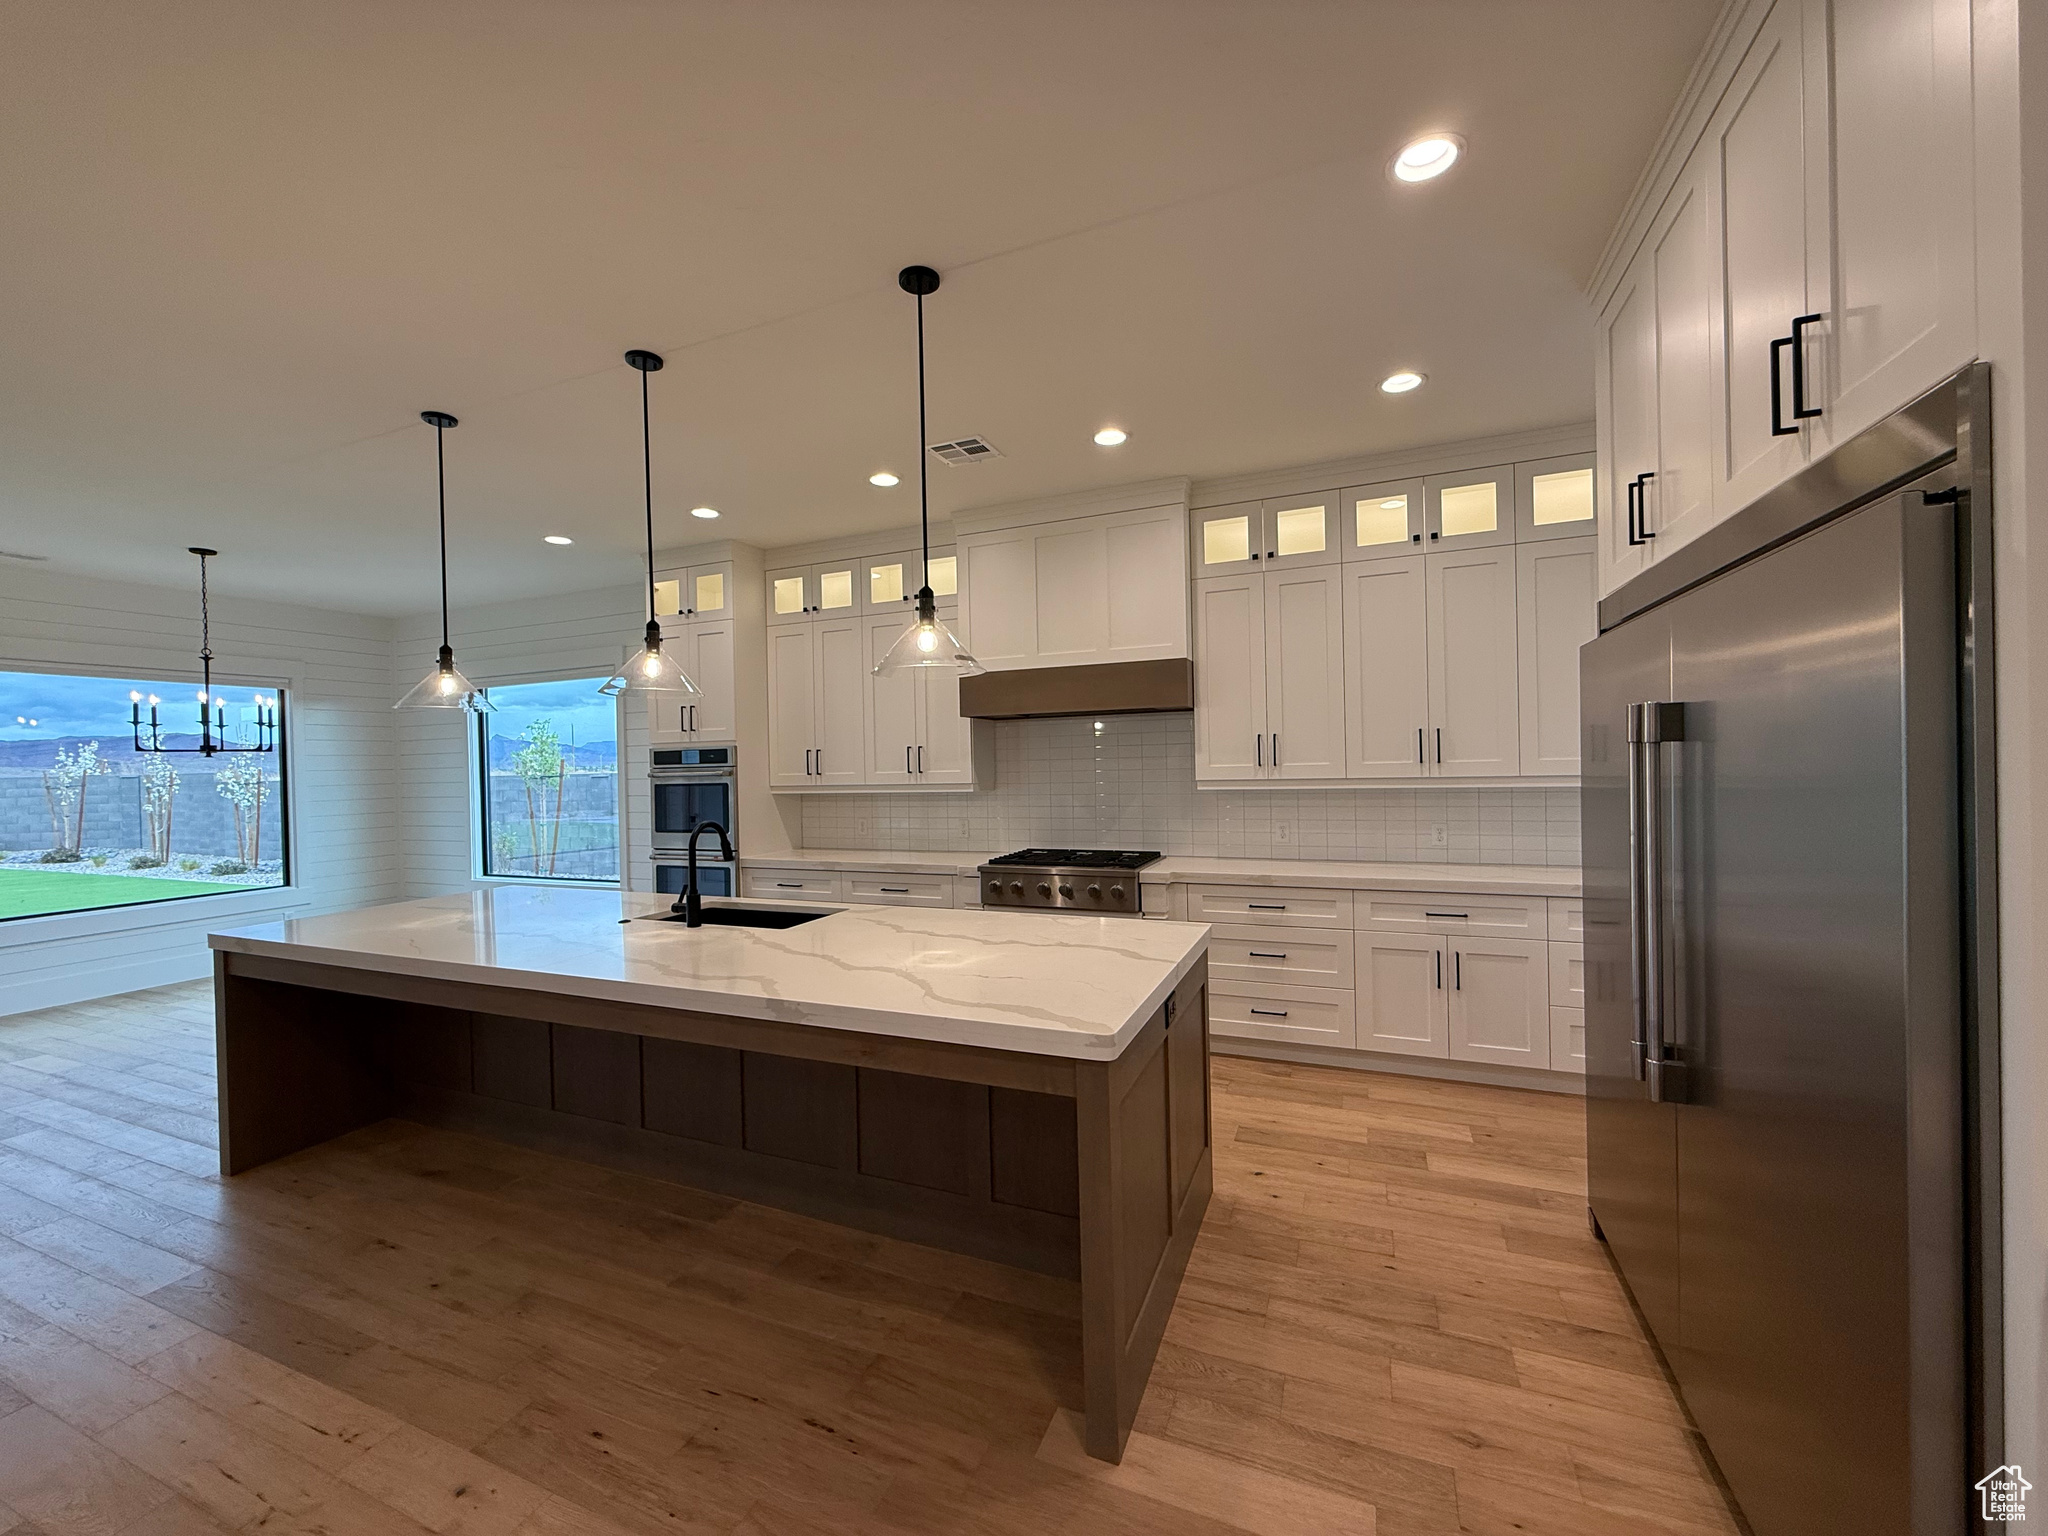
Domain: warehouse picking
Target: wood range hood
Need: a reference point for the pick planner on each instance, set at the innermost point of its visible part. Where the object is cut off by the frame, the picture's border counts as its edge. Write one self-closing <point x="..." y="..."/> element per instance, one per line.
<point x="1100" y="688"/>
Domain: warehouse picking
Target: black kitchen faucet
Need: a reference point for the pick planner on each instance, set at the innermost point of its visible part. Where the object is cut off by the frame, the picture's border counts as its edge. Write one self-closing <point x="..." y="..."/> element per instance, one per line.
<point x="689" y="903"/>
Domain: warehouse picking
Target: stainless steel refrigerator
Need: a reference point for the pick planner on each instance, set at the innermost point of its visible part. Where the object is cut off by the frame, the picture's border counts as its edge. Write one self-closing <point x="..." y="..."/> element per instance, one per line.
<point x="1790" y="1012"/>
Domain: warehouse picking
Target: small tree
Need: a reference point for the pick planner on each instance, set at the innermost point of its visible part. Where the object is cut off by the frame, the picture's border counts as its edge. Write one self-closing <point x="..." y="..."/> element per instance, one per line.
<point x="64" y="783"/>
<point x="536" y="763"/>
<point x="244" y="786"/>
<point x="159" y="790"/>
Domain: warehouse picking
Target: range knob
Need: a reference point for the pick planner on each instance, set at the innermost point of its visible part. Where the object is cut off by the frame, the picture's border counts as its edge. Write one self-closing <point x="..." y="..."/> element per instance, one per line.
<point x="995" y="887"/>
<point x="1095" y="891"/>
<point x="1016" y="887"/>
<point x="1044" y="889"/>
<point x="1067" y="891"/>
<point x="1116" y="893"/>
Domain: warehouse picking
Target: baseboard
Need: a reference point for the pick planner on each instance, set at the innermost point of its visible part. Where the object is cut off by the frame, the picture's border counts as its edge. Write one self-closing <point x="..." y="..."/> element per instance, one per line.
<point x="92" y="982"/>
<point x="1403" y="1066"/>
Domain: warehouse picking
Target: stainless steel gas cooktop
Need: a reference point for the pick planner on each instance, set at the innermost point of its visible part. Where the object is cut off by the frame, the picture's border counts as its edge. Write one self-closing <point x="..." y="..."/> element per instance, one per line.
<point x="1098" y="880"/>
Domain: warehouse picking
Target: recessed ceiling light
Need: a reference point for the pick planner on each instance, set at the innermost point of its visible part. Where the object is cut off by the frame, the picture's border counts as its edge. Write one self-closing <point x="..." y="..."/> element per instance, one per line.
<point x="881" y="477"/>
<point x="556" y="538"/>
<point x="1400" y="383"/>
<point x="1109" y="437"/>
<point x="703" y="511"/>
<point x="1428" y="157"/>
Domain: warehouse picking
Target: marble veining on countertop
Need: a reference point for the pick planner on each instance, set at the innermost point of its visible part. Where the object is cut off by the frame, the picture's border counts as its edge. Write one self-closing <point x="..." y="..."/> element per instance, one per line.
<point x="1075" y="986"/>
<point x="1462" y="879"/>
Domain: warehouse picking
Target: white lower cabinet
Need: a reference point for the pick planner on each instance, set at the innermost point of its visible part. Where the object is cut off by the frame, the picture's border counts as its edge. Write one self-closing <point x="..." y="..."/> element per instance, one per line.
<point x="790" y="884"/>
<point x="1306" y="957"/>
<point x="1402" y="994"/>
<point x="893" y="890"/>
<point x="1298" y="1015"/>
<point x="1568" y="976"/>
<point x="1567" y="1039"/>
<point x="1500" y="1001"/>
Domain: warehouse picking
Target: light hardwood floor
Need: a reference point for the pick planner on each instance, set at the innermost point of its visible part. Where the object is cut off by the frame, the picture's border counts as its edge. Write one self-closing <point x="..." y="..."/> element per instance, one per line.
<point x="1394" y="1320"/>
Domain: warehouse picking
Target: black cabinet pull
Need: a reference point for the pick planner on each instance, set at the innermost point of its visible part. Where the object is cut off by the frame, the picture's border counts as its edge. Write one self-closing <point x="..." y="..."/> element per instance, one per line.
<point x="1643" y="503"/>
<point x="1458" y="970"/>
<point x="1439" y="744"/>
<point x="895" y="890"/>
<point x="1439" y="970"/>
<point x="1276" y="749"/>
<point x="920" y="758"/>
<point x="1259" y="743"/>
<point x="789" y="885"/>
<point x="1779" y="426"/>
<point x="1418" y="745"/>
<point x="906" y="760"/>
<point x="1266" y="906"/>
<point x="1801" y="411"/>
<point x="1447" y="914"/>
<point x="1267" y="954"/>
<point x="1271" y="1013"/>
<point x="1629" y="495"/>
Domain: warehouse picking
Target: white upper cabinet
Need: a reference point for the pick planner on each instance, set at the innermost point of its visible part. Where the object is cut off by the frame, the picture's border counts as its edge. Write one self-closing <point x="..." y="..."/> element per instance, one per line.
<point x="704" y="718"/>
<point x="889" y="751"/>
<point x="1759" y="150"/>
<point x="1227" y="540"/>
<point x="1277" y="532"/>
<point x="1076" y="591"/>
<point x="950" y="750"/>
<point x="792" y="705"/>
<point x="888" y="583"/>
<point x="1554" y="611"/>
<point x="1304" y="648"/>
<point x="822" y="590"/>
<point x="1554" y="498"/>
<point x="1625" y="384"/>
<point x="1904" y="314"/>
<point x="1377" y="521"/>
<point x="1386" y="669"/>
<point x="1475" y="728"/>
<point x="842" y="726"/>
<point x="1301" y="530"/>
<point x="1473" y="509"/>
<point x="1230" y="677"/>
<point x="693" y="592"/>
<point x="1820" y="226"/>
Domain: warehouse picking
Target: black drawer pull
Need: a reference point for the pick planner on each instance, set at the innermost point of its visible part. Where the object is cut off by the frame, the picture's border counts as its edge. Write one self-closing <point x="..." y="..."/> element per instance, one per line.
<point x="1272" y="1013"/>
<point x="895" y="890"/>
<point x="1266" y="906"/>
<point x="1448" y="914"/>
<point x="789" y="885"/>
<point x="1267" y="954"/>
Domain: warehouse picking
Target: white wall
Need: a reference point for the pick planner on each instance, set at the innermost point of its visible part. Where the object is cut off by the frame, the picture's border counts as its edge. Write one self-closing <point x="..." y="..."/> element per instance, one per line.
<point x="337" y="669"/>
<point x="578" y="634"/>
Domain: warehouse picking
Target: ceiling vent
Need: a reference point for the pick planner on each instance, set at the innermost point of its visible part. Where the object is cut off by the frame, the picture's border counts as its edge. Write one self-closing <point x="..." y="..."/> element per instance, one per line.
<point x="965" y="450"/>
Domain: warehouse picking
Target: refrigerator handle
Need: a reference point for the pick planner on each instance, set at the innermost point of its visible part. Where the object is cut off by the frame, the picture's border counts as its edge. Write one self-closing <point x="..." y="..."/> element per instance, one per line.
<point x="1659" y="723"/>
<point x="1638" y="1019"/>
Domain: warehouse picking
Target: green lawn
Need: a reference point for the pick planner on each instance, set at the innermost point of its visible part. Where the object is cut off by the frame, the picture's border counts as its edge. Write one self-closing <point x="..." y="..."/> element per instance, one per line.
<point x="31" y="892"/>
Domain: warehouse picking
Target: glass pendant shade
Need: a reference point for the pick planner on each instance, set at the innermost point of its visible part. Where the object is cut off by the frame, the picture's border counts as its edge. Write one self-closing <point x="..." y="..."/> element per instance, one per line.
<point x="929" y="642"/>
<point x="650" y="670"/>
<point x="446" y="688"/>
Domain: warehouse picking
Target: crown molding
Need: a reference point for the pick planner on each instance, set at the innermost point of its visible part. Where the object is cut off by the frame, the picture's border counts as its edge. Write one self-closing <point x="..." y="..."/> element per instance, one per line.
<point x="1400" y="464"/>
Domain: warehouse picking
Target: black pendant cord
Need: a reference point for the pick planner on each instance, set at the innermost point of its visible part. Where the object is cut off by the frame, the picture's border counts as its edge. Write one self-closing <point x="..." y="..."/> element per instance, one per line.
<point x="441" y="484"/>
<point x="205" y="663"/>
<point x="647" y="471"/>
<point x="924" y="506"/>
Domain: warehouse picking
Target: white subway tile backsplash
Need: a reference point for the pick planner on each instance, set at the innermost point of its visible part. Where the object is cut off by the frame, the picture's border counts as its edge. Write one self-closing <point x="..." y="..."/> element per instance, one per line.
<point x="1128" y="781"/>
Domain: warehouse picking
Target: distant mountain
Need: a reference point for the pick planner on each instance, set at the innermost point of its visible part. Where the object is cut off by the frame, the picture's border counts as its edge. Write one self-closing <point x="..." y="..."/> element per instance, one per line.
<point x="584" y="757"/>
<point x="119" y="751"/>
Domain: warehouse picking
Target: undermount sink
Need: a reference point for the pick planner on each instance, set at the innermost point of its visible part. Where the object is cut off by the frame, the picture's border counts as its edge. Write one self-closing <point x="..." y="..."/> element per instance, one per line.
<point x="747" y="917"/>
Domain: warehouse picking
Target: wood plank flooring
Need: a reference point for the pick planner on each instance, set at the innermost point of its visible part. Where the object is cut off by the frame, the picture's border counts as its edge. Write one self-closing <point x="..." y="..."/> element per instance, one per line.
<point x="1394" y="1322"/>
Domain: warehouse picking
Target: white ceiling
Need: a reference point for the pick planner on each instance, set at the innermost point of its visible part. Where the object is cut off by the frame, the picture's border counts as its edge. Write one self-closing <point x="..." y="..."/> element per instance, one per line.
<point x="246" y="243"/>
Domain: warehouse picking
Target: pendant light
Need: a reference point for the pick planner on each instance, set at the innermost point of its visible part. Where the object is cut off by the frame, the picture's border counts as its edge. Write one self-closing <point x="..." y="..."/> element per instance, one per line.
<point x="445" y="687"/>
<point x="213" y="711"/>
<point x="928" y="642"/>
<point x="650" y="669"/>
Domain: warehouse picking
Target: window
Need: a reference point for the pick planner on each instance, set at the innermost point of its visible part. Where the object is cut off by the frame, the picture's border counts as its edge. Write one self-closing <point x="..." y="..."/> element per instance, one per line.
<point x="86" y="821"/>
<point x="550" y="766"/>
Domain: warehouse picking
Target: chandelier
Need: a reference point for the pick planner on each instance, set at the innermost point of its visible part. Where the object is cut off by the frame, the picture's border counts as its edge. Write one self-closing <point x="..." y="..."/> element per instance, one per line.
<point x="213" y="711"/>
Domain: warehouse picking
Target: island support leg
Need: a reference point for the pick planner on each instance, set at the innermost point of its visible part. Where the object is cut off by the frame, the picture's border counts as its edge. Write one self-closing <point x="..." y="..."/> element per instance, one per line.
<point x="1142" y="1123"/>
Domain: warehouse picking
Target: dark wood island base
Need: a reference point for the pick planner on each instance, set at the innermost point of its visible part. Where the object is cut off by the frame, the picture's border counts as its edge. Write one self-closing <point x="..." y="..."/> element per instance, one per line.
<point x="1097" y="1171"/>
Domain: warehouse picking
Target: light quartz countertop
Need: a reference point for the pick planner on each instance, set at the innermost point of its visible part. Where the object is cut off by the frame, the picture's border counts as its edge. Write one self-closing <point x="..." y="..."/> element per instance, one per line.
<point x="1458" y="879"/>
<point x="1076" y="987"/>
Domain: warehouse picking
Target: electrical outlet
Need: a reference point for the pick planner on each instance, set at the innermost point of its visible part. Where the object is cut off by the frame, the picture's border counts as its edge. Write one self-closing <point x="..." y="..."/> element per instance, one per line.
<point x="1283" y="832"/>
<point x="966" y="829"/>
<point x="1439" y="835"/>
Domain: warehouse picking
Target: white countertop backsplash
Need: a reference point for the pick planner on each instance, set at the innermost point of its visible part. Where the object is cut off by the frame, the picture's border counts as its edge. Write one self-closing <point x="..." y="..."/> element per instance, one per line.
<point x="1080" y="987"/>
<point x="1131" y="784"/>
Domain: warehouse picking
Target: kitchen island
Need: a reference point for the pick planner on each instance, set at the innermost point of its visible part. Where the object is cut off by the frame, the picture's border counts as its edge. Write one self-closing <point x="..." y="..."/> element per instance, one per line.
<point x="1026" y="1088"/>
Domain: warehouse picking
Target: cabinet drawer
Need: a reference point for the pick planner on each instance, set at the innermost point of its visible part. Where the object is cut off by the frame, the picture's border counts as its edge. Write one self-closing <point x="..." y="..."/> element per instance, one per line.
<point x="1487" y="917"/>
<point x="1567" y="1039"/>
<point x="1304" y="1015"/>
<point x="1568" y="919"/>
<point x="791" y="884"/>
<point x="1269" y="906"/>
<point x="900" y="890"/>
<point x="1567" y="975"/>
<point x="1311" y="957"/>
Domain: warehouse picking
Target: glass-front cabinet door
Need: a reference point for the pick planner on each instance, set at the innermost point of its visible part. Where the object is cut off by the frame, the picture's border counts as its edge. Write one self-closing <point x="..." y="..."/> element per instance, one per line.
<point x="1470" y="509"/>
<point x="1554" y="498"/>
<point x="1301" y="530"/>
<point x="1376" y="521"/>
<point x="708" y="594"/>
<point x="790" y="594"/>
<point x="835" y="588"/>
<point x="1227" y="539"/>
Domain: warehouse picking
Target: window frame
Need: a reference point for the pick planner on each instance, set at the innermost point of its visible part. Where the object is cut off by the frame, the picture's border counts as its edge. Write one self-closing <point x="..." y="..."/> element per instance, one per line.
<point x="480" y="786"/>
